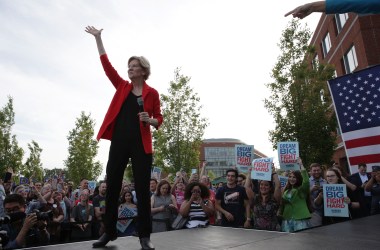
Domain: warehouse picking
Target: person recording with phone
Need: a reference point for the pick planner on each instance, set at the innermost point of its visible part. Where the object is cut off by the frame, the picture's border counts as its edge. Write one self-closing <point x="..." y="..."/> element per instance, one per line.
<point x="23" y="230"/>
<point x="134" y="109"/>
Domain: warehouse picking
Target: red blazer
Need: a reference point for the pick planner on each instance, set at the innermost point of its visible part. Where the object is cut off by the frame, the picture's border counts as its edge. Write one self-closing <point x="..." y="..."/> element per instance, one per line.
<point x="123" y="88"/>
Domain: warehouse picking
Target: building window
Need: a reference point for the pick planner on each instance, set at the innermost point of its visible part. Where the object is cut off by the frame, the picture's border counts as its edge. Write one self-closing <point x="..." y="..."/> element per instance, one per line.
<point x="326" y="44"/>
<point x="350" y="60"/>
<point x="341" y="20"/>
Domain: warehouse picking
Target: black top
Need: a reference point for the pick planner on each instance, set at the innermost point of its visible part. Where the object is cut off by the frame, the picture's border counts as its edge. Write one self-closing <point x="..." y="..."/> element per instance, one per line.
<point x="127" y="125"/>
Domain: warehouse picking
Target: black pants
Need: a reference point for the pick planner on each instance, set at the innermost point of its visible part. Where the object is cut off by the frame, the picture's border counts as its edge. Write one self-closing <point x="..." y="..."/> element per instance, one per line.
<point x="120" y="153"/>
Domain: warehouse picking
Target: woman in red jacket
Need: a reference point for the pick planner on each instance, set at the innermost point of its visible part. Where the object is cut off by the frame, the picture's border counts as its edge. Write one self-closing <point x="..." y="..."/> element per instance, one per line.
<point x="134" y="108"/>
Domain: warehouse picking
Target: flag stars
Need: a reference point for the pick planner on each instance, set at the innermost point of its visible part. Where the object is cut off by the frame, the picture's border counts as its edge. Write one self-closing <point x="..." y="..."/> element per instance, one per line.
<point x="361" y="88"/>
<point x="377" y="79"/>
<point x="344" y="88"/>
<point x="345" y="113"/>
<point x="351" y="118"/>
<point x="370" y="102"/>
<point x="348" y="81"/>
<point x="355" y="111"/>
<point x="369" y="119"/>
<point x="359" y="105"/>
<point x="353" y="101"/>
<point x="349" y="108"/>
<point x="350" y="91"/>
<point x="369" y="75"/>
<point x="357" y="122"/>
<point x="357" y="95"/>
<point x="378" y="106"/>
<point x="373" y="113"/>
<point x="359" y="78"/>
<point x="343" y="104"/>
<point x="363" y="98"/>
<point x="368" y="92"/>
<point x="366" y="109"/>
<point x="340" y="94"/>
<point x="372" y="85"/>
<point x="355" y="85"/>
<point x="365" y="82"/>
<point x="362" y="116"/>
<point x="347" y="98"/>
<point x="347" y="124"/>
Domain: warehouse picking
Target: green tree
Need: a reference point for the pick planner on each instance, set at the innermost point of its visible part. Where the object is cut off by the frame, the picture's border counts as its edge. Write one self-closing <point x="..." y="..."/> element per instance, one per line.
<point x="33" y="164"/>
<point x="83" y="149"/>
<point x="178" y="140"/>
<point x="299" y="100"/>
<point x="10" y="153"/>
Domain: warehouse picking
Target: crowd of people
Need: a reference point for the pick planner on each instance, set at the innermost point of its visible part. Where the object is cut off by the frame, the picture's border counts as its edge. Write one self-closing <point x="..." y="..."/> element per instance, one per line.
<point x="41" y="213"/>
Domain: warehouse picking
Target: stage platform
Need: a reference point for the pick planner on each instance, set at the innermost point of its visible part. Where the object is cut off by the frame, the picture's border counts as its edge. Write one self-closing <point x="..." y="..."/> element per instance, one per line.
<point x="357" y="234"/>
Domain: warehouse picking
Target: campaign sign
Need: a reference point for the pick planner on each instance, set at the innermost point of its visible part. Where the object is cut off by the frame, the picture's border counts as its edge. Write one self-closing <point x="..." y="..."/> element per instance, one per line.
<point x="156" y="173"/>
<point x="333" y="200"/>
<point x="283" y="181"/>
<point x="24" y="180"/>
<point x="262" y="169"/>
<point x="125" y="212"/>
<point x="244" y="157"/>
<point x="92" y="185"/>
<point x="288" y="152"/>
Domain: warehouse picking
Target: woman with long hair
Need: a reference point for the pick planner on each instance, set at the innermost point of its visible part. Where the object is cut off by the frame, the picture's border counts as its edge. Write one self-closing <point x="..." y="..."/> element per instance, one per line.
<point x="265" y="204"/>
<point x="127" y="208"/>
<point x="295" y="203"/>
<point x="333" y="176"/>
<point x="163" y="206"/>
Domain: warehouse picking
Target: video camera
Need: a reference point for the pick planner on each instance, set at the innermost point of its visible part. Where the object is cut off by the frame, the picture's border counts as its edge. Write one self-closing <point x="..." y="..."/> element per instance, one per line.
<point x="12" y="217"/>
<point x="43" y="215"/>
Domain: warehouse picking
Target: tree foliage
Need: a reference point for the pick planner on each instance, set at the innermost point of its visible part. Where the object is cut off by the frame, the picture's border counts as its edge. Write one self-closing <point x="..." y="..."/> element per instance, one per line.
<point x="299" y="100"/>
<point x="10" y="153"/>
<point x="33" y="164"/>
<point x="83" y="149"/>
<point x="178" y="140"/>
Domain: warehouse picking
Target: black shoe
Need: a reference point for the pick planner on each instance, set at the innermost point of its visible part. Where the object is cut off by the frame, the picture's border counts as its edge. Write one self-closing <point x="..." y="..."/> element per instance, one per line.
<point x="104" y="239"/>
<point x="146" y="244"/>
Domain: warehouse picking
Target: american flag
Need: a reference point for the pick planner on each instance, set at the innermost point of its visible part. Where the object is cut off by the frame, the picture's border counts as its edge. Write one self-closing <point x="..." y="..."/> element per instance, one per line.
<point x="356" y="99"/>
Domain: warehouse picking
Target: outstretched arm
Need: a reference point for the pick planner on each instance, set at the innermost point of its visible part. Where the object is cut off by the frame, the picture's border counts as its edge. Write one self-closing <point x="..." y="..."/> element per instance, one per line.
<point x="306" y="9"/>
<point x="97" y="34"/>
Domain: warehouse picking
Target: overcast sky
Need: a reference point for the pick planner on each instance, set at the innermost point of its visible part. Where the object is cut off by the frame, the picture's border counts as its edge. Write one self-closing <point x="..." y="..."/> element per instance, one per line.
<point x="51" y="67"/>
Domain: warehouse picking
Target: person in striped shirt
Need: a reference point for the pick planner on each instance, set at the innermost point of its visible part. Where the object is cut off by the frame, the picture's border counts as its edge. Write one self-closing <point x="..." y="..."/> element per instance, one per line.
<point x="196" y="206"/>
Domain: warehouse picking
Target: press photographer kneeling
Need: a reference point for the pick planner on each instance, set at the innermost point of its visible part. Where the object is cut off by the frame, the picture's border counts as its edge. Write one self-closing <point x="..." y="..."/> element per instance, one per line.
<point x="23" y="230"/>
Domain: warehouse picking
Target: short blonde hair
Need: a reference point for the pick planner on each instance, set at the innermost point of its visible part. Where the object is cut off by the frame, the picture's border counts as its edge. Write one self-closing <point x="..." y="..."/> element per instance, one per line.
<point x="144" y="63"/>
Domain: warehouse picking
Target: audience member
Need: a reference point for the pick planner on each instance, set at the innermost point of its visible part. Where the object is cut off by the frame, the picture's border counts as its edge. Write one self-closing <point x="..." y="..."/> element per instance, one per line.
<point x="294" y="208"/>
<point x="232" y="202"/>
<point x="196" y="205"/>
<point x="360" y="179"/>
<point x="163" y="207"/>
<point x="316" y="182"/>
<point x="373" y="186"/>
<point x="265" y="204"/>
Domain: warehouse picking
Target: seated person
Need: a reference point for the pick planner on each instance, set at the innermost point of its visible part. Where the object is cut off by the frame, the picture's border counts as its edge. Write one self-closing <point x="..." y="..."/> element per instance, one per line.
<point x="23" y="232"/>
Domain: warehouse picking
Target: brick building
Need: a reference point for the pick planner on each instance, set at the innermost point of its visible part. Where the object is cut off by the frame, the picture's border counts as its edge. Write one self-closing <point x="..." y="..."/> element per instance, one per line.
<point x="350" y="42"/>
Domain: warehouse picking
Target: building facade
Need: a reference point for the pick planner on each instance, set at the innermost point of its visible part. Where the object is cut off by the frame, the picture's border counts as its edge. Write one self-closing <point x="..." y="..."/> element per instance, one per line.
<point x="350" y="42"/>
<point x="219" y="154"/>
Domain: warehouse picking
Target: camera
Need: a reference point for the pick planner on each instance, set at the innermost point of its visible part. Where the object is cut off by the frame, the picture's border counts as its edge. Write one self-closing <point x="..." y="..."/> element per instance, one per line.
<point x="44" y="215"/>
<point x="4" y="238"/>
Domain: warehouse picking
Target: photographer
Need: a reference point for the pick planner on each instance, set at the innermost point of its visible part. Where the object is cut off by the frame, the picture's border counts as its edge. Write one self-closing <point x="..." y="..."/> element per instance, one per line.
<point x="23" y="232"/>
